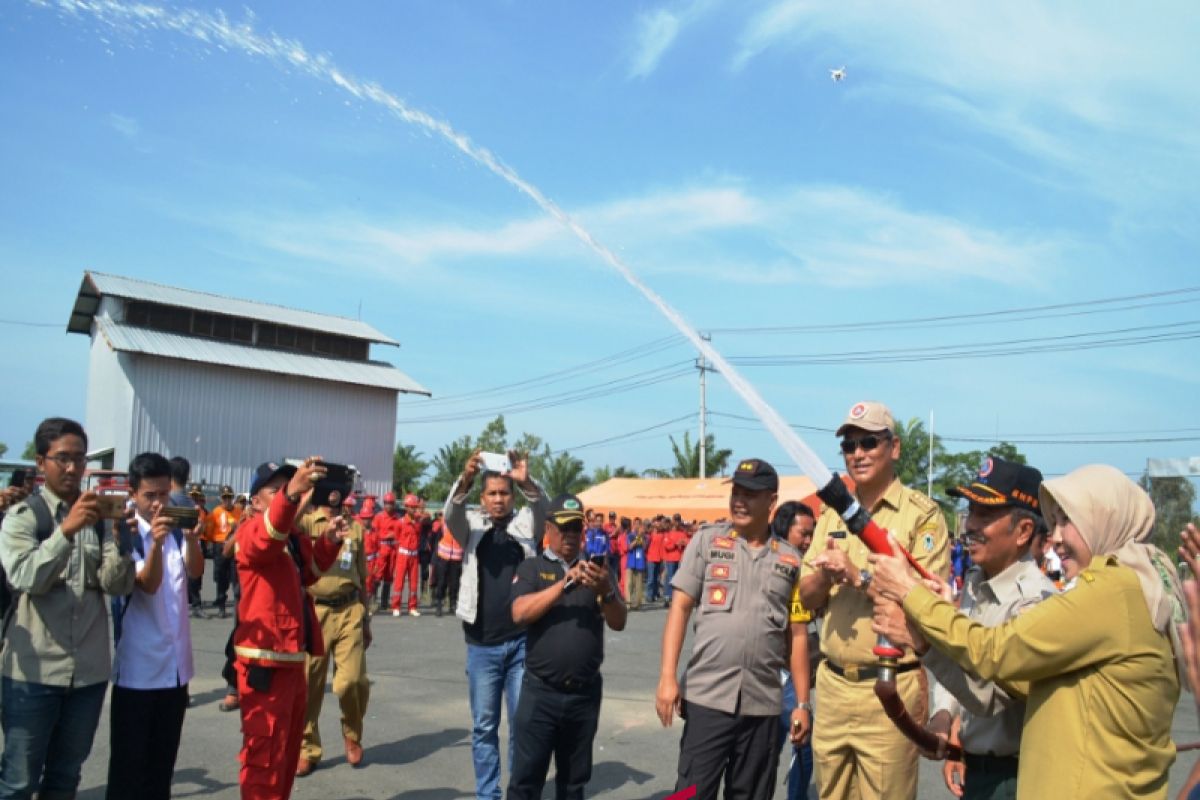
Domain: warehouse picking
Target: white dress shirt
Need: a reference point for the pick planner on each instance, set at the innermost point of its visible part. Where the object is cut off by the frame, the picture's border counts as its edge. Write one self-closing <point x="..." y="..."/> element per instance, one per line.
<point x="155" y="651"/>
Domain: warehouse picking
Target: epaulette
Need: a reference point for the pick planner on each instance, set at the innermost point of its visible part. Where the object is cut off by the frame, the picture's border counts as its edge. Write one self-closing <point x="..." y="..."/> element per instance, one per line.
<point x="921" y="500"/>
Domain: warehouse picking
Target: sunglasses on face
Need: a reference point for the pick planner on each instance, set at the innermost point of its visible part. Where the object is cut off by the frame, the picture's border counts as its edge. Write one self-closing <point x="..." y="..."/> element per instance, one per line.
<point x="867" y="443"/>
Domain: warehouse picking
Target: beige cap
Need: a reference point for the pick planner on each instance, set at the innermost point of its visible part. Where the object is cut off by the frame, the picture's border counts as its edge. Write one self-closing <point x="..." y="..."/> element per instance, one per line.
<point x="869" y="416"/>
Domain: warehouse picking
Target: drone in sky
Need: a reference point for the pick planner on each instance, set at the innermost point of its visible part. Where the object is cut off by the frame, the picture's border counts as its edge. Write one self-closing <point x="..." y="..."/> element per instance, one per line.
<point x="838" y="75"/>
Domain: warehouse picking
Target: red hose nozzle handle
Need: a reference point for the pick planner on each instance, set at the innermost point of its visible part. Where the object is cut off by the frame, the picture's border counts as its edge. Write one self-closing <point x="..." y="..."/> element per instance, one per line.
<point x="858" y="520"/>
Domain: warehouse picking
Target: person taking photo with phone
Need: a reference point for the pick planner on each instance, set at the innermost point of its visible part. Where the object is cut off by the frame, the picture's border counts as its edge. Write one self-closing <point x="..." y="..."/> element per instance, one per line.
<point x="60" y="563"/>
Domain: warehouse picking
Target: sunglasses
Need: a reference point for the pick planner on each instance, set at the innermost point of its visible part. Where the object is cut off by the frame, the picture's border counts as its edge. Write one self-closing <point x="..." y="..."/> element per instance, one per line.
<point x="867" y="443"/>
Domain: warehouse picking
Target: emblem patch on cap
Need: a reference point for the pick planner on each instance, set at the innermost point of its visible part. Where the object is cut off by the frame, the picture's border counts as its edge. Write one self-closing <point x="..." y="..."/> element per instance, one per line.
<point x="859" y="411"/>
<point x="746" y="466"/>
<point x="571" y="504"/>
<point x="986" y="469"/>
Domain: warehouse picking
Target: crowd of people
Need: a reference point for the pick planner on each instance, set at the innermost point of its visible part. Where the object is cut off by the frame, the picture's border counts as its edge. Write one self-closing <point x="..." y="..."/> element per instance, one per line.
<point x="1039" y="654"/>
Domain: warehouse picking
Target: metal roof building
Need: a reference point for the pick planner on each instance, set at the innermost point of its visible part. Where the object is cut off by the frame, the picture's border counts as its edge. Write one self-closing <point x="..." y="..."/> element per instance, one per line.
<point x="229" y="383"/>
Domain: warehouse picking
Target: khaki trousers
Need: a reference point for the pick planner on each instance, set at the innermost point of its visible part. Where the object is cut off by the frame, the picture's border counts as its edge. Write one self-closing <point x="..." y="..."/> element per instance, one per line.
<point x="637" y="587"/>
<point x="858" y="754"/>
<point x="342" y="630"/>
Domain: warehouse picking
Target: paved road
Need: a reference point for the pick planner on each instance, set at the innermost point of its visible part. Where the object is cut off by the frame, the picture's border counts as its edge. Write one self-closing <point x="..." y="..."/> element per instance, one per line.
<point x="418" y="731"/>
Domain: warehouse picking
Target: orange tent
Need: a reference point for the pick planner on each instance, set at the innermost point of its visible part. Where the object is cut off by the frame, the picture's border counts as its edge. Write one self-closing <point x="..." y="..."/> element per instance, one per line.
<point x="691" y="498"/>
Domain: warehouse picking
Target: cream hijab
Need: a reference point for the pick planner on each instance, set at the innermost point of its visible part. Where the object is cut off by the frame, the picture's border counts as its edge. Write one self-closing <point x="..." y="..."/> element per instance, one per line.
<point x="1115" y="517"/>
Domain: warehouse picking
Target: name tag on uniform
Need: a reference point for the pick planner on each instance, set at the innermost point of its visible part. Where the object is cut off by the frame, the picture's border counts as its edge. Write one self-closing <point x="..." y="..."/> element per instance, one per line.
<point x="779" y="568"/>
<point x="722" y="555"/>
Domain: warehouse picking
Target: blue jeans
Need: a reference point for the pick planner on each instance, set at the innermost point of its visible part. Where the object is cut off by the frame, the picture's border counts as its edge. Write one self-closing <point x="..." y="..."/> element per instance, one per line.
<point x="670" y="567"/>
<point x="492" y="670"/>
<point x="799" y="773"/>
<point x="653" y="571"/>
<point x="38" y="719"/>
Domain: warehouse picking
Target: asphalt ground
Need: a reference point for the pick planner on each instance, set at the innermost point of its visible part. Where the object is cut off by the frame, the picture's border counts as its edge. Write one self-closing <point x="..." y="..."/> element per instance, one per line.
<point x="417" y="742"/>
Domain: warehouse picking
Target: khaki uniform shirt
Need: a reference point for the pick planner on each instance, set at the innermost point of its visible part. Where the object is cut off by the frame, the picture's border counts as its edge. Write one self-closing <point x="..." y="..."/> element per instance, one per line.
<point x="349" y="570"/>
<point x="59" y="632"/>
<point x="1100" y="680"/>
<point x="917" y="524"/>
<point x="991" y="718"/>
<point x="742" y="626"/>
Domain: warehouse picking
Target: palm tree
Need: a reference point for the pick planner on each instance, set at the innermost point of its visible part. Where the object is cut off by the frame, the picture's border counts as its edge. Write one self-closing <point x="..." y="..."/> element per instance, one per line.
<point x="407" y="468"/>
<point x="606" y="473"/>
<point x="687" y="459"/>
<point x="563" y="474"/>
<point x="448" y="463"/>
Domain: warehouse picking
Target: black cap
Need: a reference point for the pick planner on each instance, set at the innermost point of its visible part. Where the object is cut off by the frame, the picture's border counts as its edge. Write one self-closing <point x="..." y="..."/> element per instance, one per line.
<point x="226" y="491"/>
<point x="565" y="509"/>
<point x="1003" y="483"/>
<point x="756" y="475"/>
<point x="265" y="473"/>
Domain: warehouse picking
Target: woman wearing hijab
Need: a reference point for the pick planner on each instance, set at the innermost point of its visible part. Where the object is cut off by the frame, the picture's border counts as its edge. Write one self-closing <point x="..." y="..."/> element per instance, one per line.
<point x="1097" y="663"/>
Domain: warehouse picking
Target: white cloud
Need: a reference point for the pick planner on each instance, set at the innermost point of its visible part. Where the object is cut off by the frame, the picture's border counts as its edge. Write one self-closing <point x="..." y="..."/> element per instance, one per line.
<point x="126" y="126"/>
<point x="656" y="30"/>
<point x="1103" y="91"/>
<point x="723" y="234"/>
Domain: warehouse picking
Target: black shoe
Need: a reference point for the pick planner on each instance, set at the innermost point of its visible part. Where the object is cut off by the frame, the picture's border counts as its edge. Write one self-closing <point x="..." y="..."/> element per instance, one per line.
<point x="438" y="611"/>
<point x="222" y="613"/>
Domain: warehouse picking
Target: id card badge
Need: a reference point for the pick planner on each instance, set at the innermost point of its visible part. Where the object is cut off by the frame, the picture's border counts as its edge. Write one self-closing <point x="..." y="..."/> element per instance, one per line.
<point x="347" y="555"/>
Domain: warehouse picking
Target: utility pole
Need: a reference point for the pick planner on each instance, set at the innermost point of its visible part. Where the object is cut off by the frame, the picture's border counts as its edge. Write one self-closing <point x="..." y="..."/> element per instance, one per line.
<point x="704" y="367"/>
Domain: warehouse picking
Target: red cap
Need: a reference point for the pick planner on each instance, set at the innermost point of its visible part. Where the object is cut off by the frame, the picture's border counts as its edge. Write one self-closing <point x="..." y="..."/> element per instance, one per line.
<point x="389" y="498"/>
<point x="412" y="501"/>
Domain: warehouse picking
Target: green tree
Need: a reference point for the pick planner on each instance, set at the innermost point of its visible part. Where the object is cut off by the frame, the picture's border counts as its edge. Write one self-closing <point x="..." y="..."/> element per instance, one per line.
<point x="447" y="464"/>
<point x="687" y="459"/>
<point x="3" y="449"/>
<point x="563" y="474"/>
<point x="30" y="452"/>
<point x="494" y="437"/>
<point x="913" y="465"/>
<point x="535" y="450"/>
<point x="606" y="473"/>
<point x="408" y="466"/>
<point x="1174" y="500"/>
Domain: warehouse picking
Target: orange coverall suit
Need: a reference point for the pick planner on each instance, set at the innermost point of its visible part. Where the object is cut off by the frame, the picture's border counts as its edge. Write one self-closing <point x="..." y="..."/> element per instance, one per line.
<point x="384" y="527"/>
<point x="277" y="628"/>
<point x="408" y="539"/>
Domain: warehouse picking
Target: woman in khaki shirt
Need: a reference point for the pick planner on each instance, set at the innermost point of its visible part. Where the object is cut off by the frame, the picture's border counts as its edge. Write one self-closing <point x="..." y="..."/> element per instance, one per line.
<point x="1096" y="663"/>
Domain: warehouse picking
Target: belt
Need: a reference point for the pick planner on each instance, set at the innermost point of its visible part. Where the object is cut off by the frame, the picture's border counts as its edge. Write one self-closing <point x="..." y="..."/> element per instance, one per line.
<point x="404" y="551"/>
<point x="993" y="764"/>
<point x="856" y="673"/>
<point x="568" y="686"/>
<point x="337" y="602"/>
<point x="388" y="542"/>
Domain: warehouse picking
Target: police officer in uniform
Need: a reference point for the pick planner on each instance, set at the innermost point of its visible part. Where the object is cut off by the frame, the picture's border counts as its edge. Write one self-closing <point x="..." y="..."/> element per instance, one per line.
<point x="858" y="752"/>
<point x="565" y="601"/>
<point x="744" y="582"/>
<point x="341" y="602"/>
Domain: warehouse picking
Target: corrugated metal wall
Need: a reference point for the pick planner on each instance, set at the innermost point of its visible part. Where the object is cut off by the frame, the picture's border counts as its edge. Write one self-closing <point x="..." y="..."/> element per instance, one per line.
<point x="227" y="421"/>
<point x="109" y="402"/>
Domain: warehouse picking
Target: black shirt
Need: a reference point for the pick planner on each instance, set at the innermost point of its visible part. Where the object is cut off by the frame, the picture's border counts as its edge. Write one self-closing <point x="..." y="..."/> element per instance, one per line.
<point x="567" y="643"/>
<point x="496" y="558"/>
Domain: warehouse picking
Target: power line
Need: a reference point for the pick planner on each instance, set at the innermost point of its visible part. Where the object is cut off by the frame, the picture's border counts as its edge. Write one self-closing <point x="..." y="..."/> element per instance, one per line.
<point x="558" y="376"/>
<point x="27" y="324"/>
<point x="623" y="436"/>
<point x="615" y="386"/>
<point x="980" y="315"/>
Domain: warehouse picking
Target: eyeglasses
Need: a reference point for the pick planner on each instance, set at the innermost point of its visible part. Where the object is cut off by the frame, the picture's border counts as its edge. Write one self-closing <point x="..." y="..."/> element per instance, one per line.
<point x="867" y="443"/>
<point x="65" y="460"/>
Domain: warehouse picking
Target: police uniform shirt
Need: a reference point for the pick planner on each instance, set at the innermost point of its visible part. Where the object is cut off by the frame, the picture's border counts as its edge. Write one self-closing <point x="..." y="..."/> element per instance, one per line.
<point x="566" y="645"/>
<point x="746" y="597"/>
<point x="991" y="718"/>
<point x="348" y="572"/>
<point x="917" y="524"/>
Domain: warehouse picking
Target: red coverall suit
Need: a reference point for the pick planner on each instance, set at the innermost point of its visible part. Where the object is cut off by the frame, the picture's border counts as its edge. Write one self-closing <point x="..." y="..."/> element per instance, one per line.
<point x="408" y="562"/>
<point x="277" y="627"/>
<point x="384" y="528"/>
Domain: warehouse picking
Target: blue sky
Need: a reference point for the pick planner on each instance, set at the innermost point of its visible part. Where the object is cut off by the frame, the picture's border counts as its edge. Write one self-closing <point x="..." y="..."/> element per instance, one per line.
<point x="976" y="158"/>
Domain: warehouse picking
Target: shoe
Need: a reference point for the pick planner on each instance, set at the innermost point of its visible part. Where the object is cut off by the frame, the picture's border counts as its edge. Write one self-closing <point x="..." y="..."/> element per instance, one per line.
<point x="222" y="613"/>
<point x="230" y="703"/>
<point x="438" y="611"/>
<point x="395" y="612"/>
<point x="197" y="613"/>
<point x="414" y="613"/>
<point x="305" y="767"/>
<point x="354" y="752"/>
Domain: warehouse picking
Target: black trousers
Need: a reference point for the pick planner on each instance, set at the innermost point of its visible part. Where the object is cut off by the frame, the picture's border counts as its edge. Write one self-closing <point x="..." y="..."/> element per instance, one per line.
<point x="223" y="574"/>
<point x="446" y="576"/>
<point x="553" y="723"/>
<point x="144" y="728"/>
<point x="741" y="749"/>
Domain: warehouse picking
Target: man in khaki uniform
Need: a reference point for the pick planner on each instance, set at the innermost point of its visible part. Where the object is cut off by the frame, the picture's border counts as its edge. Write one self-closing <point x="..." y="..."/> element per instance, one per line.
<point x="340" y="597"/>
<point x="858" y="752"/>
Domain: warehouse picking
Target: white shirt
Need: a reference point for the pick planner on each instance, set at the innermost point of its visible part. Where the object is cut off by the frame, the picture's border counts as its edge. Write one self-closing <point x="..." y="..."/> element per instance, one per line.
<point x="155" y="651"/>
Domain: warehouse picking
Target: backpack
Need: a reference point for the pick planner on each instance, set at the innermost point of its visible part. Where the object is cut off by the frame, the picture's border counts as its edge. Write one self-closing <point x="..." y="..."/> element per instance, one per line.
<point x="120" y="604"/>
<point x="45" y="527"/>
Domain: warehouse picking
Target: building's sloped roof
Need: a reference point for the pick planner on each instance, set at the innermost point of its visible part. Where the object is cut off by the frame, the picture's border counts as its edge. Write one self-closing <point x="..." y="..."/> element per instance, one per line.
<point x="96" y="285"/>
<point x="131" y="339"/>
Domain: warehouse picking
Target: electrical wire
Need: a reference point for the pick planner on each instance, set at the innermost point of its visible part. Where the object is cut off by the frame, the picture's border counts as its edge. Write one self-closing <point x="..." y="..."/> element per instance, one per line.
<point x="27" y="324"/>
<point x="622" y="436"/>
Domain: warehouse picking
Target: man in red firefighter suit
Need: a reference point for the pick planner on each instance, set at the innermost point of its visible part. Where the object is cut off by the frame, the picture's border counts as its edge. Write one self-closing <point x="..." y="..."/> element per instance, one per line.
<point x="408" y="540"/>
<point x="277" y="625"/>
<point x="384" y="525"/>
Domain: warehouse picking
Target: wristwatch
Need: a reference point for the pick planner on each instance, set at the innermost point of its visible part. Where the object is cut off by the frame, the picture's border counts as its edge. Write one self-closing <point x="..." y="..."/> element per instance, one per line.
<point x="805" y="705"/>
<point x="864" y="579"/>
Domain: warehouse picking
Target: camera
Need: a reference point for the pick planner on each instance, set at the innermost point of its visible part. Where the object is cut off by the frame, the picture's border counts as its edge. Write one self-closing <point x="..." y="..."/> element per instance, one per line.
<point x="335" y="487"/>
<point x="112" y="502"/>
